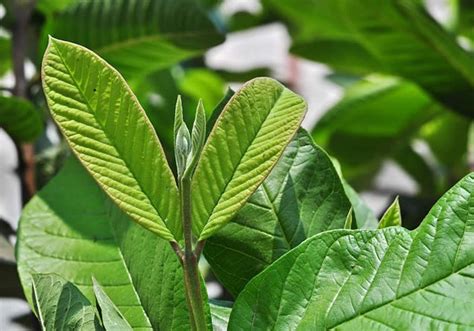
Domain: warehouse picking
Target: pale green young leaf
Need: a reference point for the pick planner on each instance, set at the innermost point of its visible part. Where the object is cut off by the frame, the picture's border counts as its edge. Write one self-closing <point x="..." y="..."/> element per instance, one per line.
<point x="198" y="137"/>
<point x="110" y="133"/>
<point x="392" y="216"/>
<point x="247" y="140"/>
<point x="79" y="233"/>
<point x="182" y="139"/>
<point x="112" y="318"/>
<point x="61" y="306"/>
<point x="387" y="279"/>
<point x="348" y="223"/>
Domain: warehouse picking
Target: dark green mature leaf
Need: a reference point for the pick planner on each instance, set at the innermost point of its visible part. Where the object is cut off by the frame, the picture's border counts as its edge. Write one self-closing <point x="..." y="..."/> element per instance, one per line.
<point x="249" y="136"/>
<point x="374" y="121"/>
<point x="138" y="36"/>
<point x="112" y="318"/>
<point x="394" y="37"/>
<point x="218" y="110"/>
<point x="392" y="216"/>
<point x="61" y="306"/>
<point x="372" y="279"/>
<point x="73" y="229"/>
<point x="301" y="197"/>
<point x="20" y="119"/>
<point x="110" y="133"/>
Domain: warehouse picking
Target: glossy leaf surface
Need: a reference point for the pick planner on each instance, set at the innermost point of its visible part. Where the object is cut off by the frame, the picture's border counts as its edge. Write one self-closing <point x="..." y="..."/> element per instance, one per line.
<point x="249" y="136"/>
<point x="138" y="36"/>
<point x="301" y="197"/>
<point x="372" y="279"/>
<point x="61" y="306"/>
<point x="110" y="133"/>
<point x="80" y="233"/>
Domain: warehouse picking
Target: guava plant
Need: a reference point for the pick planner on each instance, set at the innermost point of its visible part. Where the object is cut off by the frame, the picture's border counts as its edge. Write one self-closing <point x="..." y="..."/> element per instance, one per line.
<point x="265" y="205"/>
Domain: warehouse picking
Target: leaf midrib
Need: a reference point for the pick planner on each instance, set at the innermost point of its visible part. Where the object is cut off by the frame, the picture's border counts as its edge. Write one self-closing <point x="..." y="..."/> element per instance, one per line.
<point x="92" y="112"/>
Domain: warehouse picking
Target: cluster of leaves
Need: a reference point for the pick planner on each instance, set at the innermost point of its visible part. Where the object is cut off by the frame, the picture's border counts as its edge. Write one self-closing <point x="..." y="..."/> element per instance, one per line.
<point x="290" y="253"/>
<point x="407" y="79"/>
<point x="285" y="234"/>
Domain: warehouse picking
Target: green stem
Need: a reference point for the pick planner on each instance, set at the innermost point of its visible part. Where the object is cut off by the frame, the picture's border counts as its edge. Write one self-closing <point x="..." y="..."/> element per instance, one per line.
<point x="192" y="279"/>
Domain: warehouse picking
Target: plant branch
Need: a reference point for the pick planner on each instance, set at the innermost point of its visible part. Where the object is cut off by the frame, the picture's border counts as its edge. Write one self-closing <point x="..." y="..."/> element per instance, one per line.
<point x="199" y="247"/>
<point x="22" y="10"/>
<point x="192" y="279"/>
<point x="177" y="249"/>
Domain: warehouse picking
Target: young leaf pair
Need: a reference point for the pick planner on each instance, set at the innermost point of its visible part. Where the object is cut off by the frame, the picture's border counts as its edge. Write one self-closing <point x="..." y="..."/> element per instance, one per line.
<point x="112" y="137"/>
<point x="188" y="147"/>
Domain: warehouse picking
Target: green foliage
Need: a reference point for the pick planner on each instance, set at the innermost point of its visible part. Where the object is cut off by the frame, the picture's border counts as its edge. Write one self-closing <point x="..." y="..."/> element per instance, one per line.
<point x="135" y="36"/>
<point x="79" y="233"/>
<point x="61" y="306"/>
<point x="220" y="312"/>
<point x="252" y="131"/>
<point x="372" y="280"/>
<point x="393" y="37"/>
<point x="301" y="197"/>
<point x="392" y="216"/>
<point x="20" y="119"/>
<point x="375" y="120"/>
<point x="282" y="229"/>
<point x="112" y="318"/>
<point x="111" y="135"/>
<point x="5" y="51"/>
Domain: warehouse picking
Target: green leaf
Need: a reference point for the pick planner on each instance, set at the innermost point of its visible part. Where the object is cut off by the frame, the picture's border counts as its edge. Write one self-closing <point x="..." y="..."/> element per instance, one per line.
<point x="61" y="306"/>
<point x="218" y="110"/>
<point x="220" y="312"/>
<point x="182" y="139"/>
<point x="361" y="136"/>
<point x="301" y="197"/>
<point x="111" y="135"/>
<point x="20" y="119"/>
<point x="393" y="37"/>
<point x="138" y="37"/>
<point x="73" y="229"/>
<point x="392" y="216"/>
<point x="248" y="138"/>
<point x="348" y="223"/>
<point x="112" y="318"/>
<point x="51" y="6"/>
<point x="364" y="216"/>
<point x="5" y="55"/>
<point x="198" y="135"/>
<point x="203" y="84"/>
<point x="373" y="279"/>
